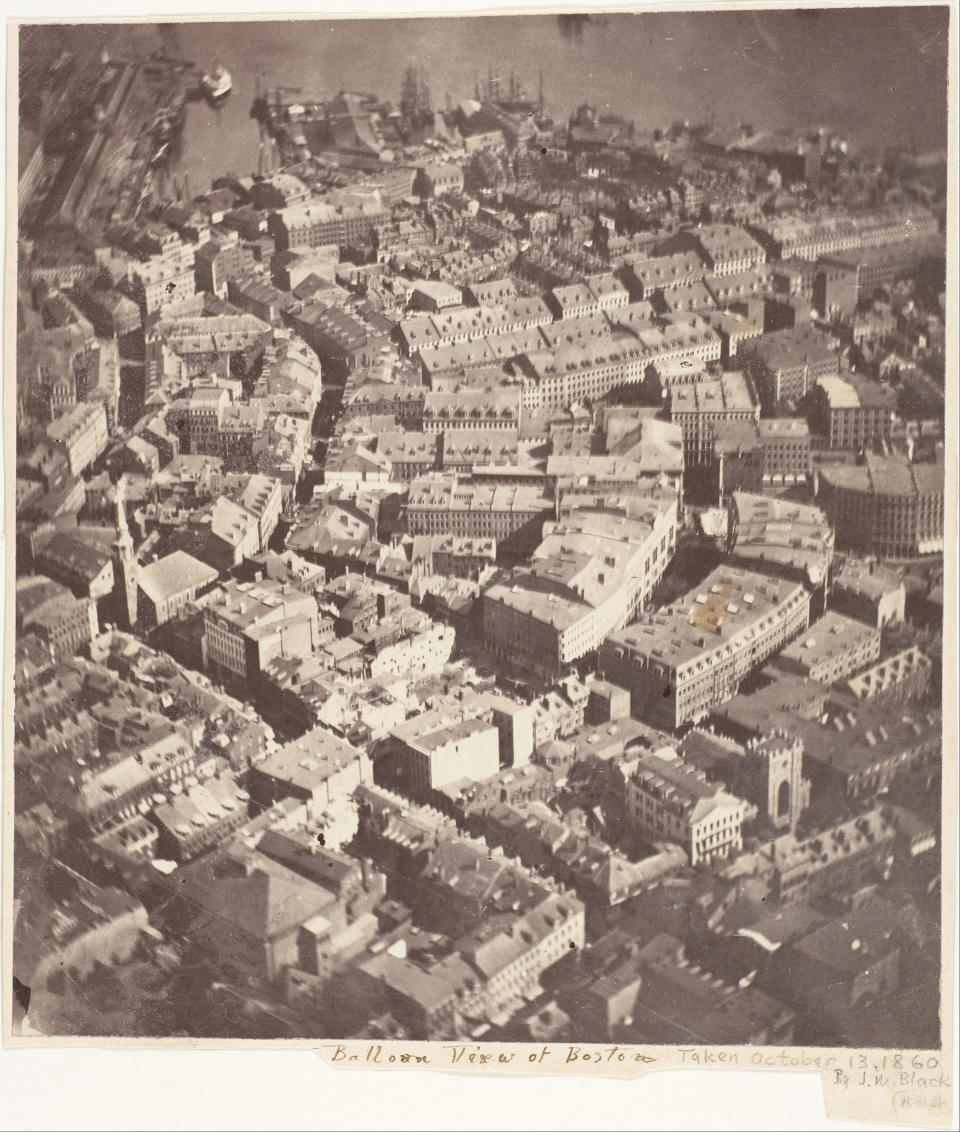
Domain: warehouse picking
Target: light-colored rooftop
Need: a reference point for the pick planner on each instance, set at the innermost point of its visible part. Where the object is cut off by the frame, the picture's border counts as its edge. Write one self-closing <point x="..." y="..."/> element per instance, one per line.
<point x="723" y="612"/>
<point x="174" y="574"/>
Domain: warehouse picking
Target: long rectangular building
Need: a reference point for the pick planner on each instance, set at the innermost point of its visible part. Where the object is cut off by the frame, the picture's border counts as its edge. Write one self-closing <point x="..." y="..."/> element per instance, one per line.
<point x="692" y="655"/>
<point x="587" y="578"/>
<point x="510" y="514"/>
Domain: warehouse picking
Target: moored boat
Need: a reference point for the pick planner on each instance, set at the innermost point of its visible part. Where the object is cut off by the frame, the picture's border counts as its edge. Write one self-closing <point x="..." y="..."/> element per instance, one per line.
<point x="217" y="83"/>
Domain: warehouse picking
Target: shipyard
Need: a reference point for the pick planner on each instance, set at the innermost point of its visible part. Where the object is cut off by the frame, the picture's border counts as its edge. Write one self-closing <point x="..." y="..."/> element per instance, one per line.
<point x="105" y="132"/>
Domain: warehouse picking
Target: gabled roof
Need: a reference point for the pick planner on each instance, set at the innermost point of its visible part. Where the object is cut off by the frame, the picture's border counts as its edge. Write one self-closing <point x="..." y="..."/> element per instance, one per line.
<point x="254" y="894"/>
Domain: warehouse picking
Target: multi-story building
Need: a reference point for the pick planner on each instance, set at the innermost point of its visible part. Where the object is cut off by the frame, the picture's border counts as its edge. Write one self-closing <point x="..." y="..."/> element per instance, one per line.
<point x="111" y="313"/>
<point x="197" y="420"/>
<point x="510" y="957"/>
<point x="901" y="675"/>
<point x="858" y="273"/>
<point x="657" y="994"/>
<point x="887" y="506"/>
<point x="111" y="794"/>
<point x="77" y="562"/>
<point x="645" y="276"/>
<point x="219" y="260"/>
<point x="260" y="496"/>
<point x="246" y="625"/>
<point x="507" y="928"/>
<point x="437" y="178"/>
<point x="163" y="278"/>
<point x="785" y="364"/>
<point x="833" y="648"/>
<point x="852" y="413"/>
<point x="406" y="455"/>
<point x="544" y="842"/>
<point x="737" y="457"/>
<point x="278" y="190"/>
<point x="252" y="293"/>
<point x="463" y="451"/>
<point x="691" y="655"/>
<point x="343" y="341"/>
<point x="492" y="292"/>
<point x="219" y="346"/>
<point x="235" y="532"/>
<point x="377" y="399"/>
<point x="50" y="612"/>
<point x="702" y="406"/>
<point x="282" y="449"/>
<point x="635" y="447"/>
<point x="497" y="410"/>
<point x="199" y="818"/>
<point x="785" y="443"/>
<point x="780" y="537"/>
<point x="587" y="578"/>
<point x="812" y="238"/>
<point x="858" y="747"/>
<point x="736" y="328"/>
<point x="455" y="557"/>
<point x="766" y="772"/>
<point x="852" y="747"/>
<point x="435" y="752"/>
<point x="420" y="650"/>
<point x="82" y="433"/>
<point x="869" y="591"/>
<point x="315" y="223"/>
<point x="168" y="585"/>
<point x="668" y="800"/>
<point x="728" y="250"/>
<point x="595" y="294"/>
<point x="508" y="514"/>
<point x="843" y="857"/>
<point x="318" y="769"/>
<point x="53" y="364"/>
<point x="571" y="370"/>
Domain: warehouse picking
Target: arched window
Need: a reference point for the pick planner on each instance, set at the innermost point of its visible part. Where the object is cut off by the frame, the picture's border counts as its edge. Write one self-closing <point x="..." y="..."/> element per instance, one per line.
<point x="783" y="799"/>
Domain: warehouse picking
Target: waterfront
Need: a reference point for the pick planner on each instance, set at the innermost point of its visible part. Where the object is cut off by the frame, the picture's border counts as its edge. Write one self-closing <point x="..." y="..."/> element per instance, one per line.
<point x="775" y="68"/>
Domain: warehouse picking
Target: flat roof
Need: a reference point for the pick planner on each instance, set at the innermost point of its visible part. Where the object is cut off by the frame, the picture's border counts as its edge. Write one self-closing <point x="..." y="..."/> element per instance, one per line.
<point x="887" y="475"/>
<point x="730" y="391"/>
<point x="721" y="612"/>
<point x="833" y="635"/>
<point x="309" y="761"/>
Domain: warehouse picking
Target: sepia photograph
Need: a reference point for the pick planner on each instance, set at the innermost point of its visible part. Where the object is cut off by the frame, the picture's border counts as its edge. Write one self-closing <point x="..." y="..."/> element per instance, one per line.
<point x="476" y="535"/>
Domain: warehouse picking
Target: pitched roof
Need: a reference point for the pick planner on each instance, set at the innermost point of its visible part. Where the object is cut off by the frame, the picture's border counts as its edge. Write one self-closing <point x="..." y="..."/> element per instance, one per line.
<point x="174" y="574"/>
<point x="256" y="895"/>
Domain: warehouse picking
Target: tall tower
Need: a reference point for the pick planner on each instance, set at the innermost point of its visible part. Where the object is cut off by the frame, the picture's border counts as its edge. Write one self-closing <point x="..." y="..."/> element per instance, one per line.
<point x="125" y="565"/>
<point x="774" y="776"/>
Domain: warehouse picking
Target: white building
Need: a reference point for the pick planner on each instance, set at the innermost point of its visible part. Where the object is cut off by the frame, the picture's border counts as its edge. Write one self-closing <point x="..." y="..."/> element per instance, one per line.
<point x="667" y="800"/>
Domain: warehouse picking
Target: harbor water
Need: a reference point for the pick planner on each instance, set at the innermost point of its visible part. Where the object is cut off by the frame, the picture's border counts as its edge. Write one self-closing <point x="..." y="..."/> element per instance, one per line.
<point x="654" y="68"/>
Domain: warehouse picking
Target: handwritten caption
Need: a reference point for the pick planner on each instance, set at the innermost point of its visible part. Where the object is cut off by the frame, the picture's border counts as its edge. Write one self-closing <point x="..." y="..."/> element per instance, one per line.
<point x="912" y="1085"/>
<point x="914" y="1082"/>
<point x="469" y="1054"/>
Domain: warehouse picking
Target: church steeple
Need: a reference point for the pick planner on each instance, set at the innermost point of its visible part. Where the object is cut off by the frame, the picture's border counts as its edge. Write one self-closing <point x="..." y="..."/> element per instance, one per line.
<point x="125" y="564"/>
